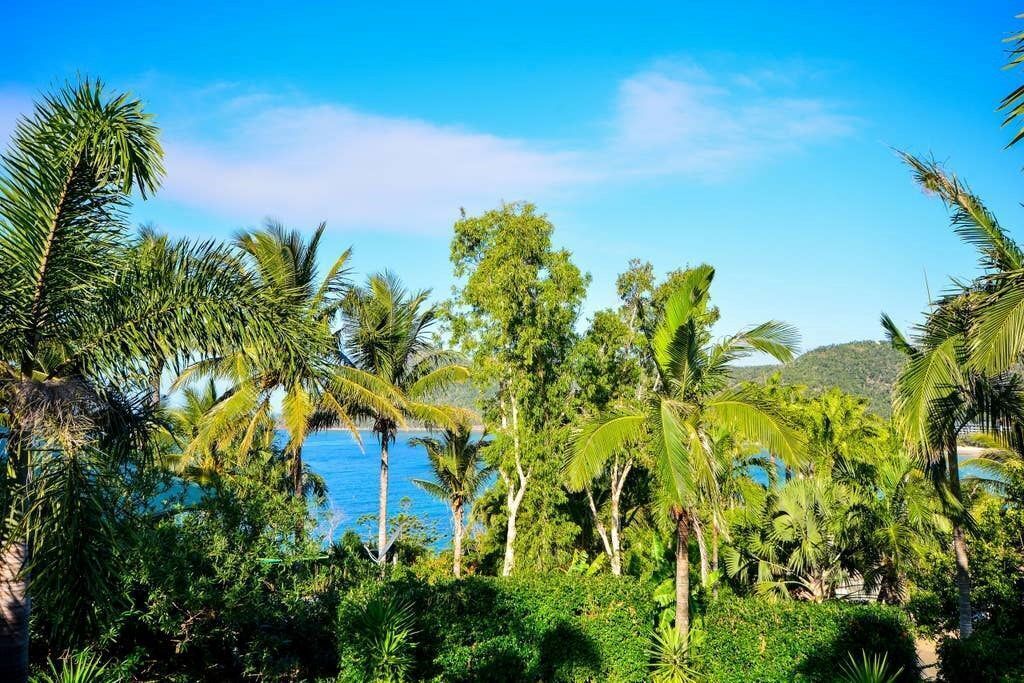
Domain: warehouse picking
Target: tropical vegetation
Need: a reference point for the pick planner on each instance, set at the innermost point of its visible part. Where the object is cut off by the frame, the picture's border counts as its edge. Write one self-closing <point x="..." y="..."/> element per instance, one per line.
<point x="628" y="501"/>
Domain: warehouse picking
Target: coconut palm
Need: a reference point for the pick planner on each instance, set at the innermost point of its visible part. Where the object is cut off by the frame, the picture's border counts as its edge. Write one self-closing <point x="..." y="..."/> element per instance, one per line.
<point x="320" y="389"/>
<point x="387" y="336"/>
<point x="459" y="474"/>
<point x="691" y="400"/>
<point x="82" y="319"/>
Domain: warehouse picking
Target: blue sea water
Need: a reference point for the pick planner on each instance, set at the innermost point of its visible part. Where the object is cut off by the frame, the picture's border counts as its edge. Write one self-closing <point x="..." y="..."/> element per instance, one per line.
<point x="351" y="472"/>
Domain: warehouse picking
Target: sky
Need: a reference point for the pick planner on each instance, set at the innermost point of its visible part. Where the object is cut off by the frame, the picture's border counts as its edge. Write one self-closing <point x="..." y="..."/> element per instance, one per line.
<point x="757" y="137"/>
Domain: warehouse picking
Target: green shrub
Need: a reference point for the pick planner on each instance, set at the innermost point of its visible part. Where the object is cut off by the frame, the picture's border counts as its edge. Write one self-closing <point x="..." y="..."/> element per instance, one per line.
<point x="550" y="628"/>
<point x="749" y="639"/>
<point x="992" y="654"/>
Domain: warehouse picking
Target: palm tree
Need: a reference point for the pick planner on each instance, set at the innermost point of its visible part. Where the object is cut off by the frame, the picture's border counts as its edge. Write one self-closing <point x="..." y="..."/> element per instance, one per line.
<point x="81" y="318"/>
<point x="320" y="390"/>
<point x="459" y="474"/>
<point x="386" y="335"/>
<point x="956" y="372"/>
<point x="691" y="400"/>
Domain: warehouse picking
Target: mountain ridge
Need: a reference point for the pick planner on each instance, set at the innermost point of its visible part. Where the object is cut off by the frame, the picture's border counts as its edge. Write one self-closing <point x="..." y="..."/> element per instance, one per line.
<point x="864" y="368"/>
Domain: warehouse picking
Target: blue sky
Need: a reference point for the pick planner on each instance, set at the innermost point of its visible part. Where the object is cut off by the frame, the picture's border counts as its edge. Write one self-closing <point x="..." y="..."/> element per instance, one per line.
<point x="755" y="137"/>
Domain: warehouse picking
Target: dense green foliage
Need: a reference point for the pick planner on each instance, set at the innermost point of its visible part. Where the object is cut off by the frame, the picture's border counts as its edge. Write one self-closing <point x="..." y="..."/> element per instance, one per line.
<point x="861" y="368"/>
<point x="638" y="508"/>
<point x="557" y="627"/>
<point x="754" y="640"/>
<point x="991" y="654"/>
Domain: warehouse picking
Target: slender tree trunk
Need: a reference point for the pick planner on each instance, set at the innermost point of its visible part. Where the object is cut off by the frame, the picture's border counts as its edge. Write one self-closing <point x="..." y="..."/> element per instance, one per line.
<point x="698" y="531"/>
<point x="515" y="493"/>
<point x="457" y="540"/>
<point x="15" y="602"/>
<point x="382" y="510"/>
<point x="599" y="525"/>
<point x="297" y="472"/>
<point x="963" y="569"/>
<point x="296" y="465"/>
<point x="618" y="482"/>
<point x="514" y="499"/>
<point x="714" y="552"/>
<point x="682" y="573"/>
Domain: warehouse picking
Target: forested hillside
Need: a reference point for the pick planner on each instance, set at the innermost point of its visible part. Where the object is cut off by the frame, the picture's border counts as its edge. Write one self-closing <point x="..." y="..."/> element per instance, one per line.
<point x="864" y="368"/>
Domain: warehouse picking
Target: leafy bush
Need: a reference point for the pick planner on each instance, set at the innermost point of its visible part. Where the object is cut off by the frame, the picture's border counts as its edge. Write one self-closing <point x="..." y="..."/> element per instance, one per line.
<point x="753" y="640"/>
<point x="991" y="654"/>
<point x="550" y="628"/>
<point x="223" y="591"/>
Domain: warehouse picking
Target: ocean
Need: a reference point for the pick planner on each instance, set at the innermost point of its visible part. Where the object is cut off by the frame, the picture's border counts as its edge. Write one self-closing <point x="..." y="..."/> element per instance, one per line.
<point x="352" y="472"/>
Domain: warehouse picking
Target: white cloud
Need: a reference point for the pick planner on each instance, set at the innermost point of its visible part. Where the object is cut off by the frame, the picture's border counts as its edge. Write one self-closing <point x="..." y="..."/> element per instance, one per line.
<point x="362" y="170"/>
<point x="245" y="154"/>
<point x="683" y="122"/>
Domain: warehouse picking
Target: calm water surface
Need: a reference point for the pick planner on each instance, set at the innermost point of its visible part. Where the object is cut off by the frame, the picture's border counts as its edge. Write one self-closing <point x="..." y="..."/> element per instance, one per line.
<point x="352" y="475"/>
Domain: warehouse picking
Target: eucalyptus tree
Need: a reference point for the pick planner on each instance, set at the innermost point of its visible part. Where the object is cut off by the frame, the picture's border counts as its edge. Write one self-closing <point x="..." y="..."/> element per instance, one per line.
<point x="692" y="398"/>
<point x="81" y="318"/>
<point x="603" y="370"/>
<point x="459" y="475"/>
<point x="956" y="373"/>
<point x="387" y="338"/>
<point x="514" y="312"/>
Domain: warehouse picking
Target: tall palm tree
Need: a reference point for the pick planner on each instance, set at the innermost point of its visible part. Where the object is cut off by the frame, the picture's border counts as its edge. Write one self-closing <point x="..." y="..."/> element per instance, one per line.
<point x="387" y="335"/>
<point x="692" y="399"/>
<point x="81" y="318"/>
<point x="956" y="372"/>
<point x="320" y="389"/>
<point x="459" y="474"/>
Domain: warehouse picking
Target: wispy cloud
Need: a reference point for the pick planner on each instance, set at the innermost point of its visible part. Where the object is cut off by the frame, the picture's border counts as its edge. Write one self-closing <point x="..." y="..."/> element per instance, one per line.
<point x="359" y="169"/>
<point x="679" y="120"/>
<point x="244" y="154"/>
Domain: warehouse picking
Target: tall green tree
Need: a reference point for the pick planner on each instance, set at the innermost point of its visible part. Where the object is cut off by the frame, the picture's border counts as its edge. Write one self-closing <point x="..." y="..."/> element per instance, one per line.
<point x="609" y="364"/>
<point x="514" y="313"/>
<point x="81" y="320"/>
<point x="459" y="475"/>
<point x="691" y="400"/>
<point x="387" y="336"/>
<point x="956" y="371"/>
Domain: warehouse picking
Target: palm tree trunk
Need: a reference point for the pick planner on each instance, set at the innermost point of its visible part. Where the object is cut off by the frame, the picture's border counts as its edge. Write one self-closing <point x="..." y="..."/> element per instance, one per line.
<point x="714" y="552"/>
<point x="698" y="531"/>
<point x="296" y="464"/>
<point x="297" y="472"/>
<point x="457" y="540"/>
<point x="382" y="510"/>
<point x="15" y="602"/>
<point x="15" y="606"/>
<point x="963" y="569"/>
<point x="682" y="573"/>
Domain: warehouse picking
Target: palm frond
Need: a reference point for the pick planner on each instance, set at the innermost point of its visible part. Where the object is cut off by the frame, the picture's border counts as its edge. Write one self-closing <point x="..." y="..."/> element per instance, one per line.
<point x="597" y="441"/>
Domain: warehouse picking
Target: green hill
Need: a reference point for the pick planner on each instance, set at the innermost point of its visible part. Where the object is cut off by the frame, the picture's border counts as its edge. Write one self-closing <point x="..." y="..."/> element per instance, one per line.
<point x="864" y="368"/>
